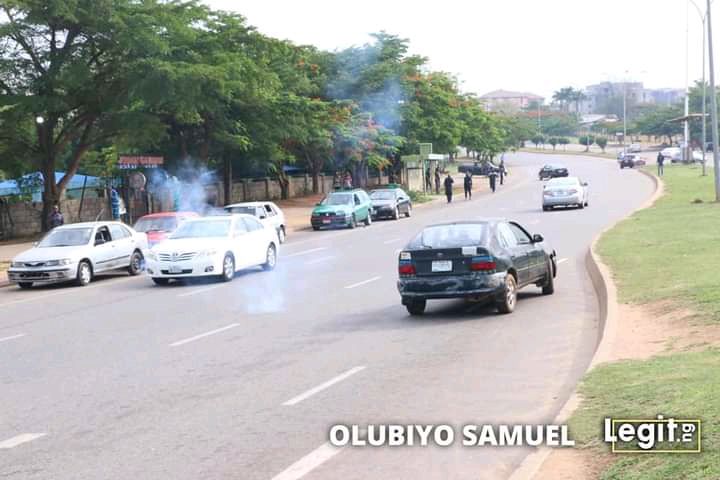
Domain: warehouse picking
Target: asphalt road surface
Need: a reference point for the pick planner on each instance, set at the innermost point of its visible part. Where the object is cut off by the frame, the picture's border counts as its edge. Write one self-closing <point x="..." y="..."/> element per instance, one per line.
<point x="123" y="379"/>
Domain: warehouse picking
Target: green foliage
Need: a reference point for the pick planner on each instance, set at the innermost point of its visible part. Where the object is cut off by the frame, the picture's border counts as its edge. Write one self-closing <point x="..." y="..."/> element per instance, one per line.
<point x="654" y="121"/>
<point x="553" y="141"/>
<point x="560" y="125"/>
<point x="601" y="142"/>
<point x="538" y="140"/>
<point x="586" y="140"/>
<point x="563" y="141"/>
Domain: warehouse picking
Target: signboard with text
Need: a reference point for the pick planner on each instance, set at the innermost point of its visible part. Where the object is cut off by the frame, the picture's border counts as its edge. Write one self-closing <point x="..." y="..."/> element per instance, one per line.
<point x="132" y="162"/>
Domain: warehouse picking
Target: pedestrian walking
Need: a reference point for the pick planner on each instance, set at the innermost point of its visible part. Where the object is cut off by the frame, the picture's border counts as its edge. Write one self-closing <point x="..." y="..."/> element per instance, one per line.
<point x="502" y="171"/>
<point x="492" y="176"/>
<point x="449" y="187"/>
<point x="437" y="180"/>
<point x="467" y="184"/>
<point x="428" y="180"/>
<point x="660" y="161"/>
<point x="56" y="218"/>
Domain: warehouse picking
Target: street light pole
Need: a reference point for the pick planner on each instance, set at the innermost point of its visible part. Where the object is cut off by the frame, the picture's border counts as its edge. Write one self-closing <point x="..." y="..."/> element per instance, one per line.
<point x="703" y="19"/>
<point x="686" y="146"/>
<point x="713" y="98"/>
<point x="624" y="112"/>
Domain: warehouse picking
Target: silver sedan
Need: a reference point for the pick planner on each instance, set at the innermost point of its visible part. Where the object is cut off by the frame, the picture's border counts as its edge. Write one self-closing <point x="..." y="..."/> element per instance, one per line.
<point x="565" y="192"/>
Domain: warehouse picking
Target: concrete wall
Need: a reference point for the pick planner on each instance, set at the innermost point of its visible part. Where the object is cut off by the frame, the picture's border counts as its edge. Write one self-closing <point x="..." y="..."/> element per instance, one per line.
<point x="26" y="216"/>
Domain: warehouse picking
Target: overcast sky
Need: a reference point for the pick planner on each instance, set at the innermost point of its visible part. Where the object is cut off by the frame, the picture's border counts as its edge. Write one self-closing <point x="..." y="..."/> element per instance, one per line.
<point x="527" y="45"/>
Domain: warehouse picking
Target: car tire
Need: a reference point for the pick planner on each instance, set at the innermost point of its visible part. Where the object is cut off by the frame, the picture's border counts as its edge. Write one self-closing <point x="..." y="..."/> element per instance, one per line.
<point x="281" y="234"/>
<point x="228" y="268"/>
<point x="416" y="307"/>
<point x="581" y="205"/>
<point x="84" y="274"/>
<point x="270" y="258"/>
<point x="546" y="209"/>
<point x="316" y="228"/>
<point x="409" y="211"/>
<point x="25" y="285"/>
<point x="396" y="214"/>
<point x="368" y="220"/>
<point x="507" y="304"/>
<point x="136" y="260"/>
<point x="160" y="281"/>
<point x="353" y="222"/>
<point x="549" y="287"/>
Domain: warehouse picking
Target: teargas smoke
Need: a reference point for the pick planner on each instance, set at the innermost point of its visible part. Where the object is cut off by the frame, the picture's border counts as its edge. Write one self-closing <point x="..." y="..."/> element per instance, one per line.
<point x="190" y="189"/>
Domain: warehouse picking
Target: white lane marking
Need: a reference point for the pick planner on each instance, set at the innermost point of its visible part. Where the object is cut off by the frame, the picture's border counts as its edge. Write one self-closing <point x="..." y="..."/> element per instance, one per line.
<point x="533" y="222"/>
<point x="318" y="260"/>
<point x="20" y="439"/>
<point x="305" y="252"/>
<point x="323" y="386"/>
<point x="393" y="240"/>
<point x="12" y="338"/>
<point x="195" y="292"/>
<point x="66" y="291"/>
<point x="562" y="260"/>
<point x="203" y="335"/>
<point x="308" y="463"/>
<point x="363" y="282"/>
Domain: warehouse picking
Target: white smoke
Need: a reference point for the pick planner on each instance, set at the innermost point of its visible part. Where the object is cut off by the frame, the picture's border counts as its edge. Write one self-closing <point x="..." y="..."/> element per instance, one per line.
<point x="188" y="190"/>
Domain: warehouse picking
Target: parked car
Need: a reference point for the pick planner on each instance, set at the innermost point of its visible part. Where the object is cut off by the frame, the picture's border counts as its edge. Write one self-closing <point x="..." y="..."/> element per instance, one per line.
<point x="478" y="168"/>
<point x="216" y="246"/>
<point x="157" y="226"/>
<point x="267" y="212"/>
<point x="634" y="148"/>
<point x="629" y="160"/>
<point x="342" y="208"/>
<point x="78" y="252"/>
<point x="390" y="203"/>
<point x="675" y="155"/>
<point x="565" y="192"/>
<point x="484" y="260"/>
<point x="552" y="171"/>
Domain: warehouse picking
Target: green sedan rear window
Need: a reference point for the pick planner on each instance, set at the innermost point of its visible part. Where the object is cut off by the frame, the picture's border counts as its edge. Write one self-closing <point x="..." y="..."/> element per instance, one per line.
<point x="450" y="236"/>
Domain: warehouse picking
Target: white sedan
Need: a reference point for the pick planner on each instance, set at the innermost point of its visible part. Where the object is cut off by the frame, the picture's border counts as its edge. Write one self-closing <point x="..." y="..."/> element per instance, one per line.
<point x="78" y="252"/>
<point x="267" y="212"/>
<point x="565" y="192"/>
<point x="216" y="246"/>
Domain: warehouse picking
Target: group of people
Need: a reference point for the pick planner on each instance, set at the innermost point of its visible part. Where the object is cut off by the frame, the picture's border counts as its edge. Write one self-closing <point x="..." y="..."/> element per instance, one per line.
<point x="342" y="180"/>
<point x="494" y="174"/>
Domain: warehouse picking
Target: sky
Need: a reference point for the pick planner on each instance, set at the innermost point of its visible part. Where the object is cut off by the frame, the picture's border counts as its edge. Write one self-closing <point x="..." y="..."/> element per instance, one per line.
<point x="536" y="46"/>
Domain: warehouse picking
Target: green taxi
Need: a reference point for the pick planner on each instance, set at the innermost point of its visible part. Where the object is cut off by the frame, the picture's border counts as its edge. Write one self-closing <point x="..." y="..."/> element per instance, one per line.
<point x="342" y="208"/>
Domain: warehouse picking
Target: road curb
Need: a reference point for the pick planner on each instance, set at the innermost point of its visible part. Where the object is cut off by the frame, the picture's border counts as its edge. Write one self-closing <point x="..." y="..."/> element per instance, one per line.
<point x="606" y="290"/>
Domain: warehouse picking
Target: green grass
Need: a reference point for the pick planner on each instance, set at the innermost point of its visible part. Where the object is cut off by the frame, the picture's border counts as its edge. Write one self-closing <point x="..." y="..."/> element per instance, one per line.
<point x="560" y="151"/>
<point x="671" y="249"/>
<point x="421" y="197"/>
<point x="666" y="252"/>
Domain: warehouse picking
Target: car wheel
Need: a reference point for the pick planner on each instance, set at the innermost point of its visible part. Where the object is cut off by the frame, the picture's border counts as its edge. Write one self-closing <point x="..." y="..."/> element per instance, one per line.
<point x="416" y="307"/>
<point x="136" y="263"/>
<point x="160" y="281"/>
<point x="353" y="222"/>
<point x="545" y="209"/>
<point x="316" y="228"/>
<point x="507" y="304"/>
<point x="396" y="214"/>
<point x="228" y="268"/>
<point x="281" y="234"/>
<point x="368" y="220"/>
<point x="409" y="211"/>
<point x="84" y="274"/>
<point x="549" y="286"/>
<point x="581" y="205"/>
<point x="25" y="284"/>
<point x="270" y="258"/>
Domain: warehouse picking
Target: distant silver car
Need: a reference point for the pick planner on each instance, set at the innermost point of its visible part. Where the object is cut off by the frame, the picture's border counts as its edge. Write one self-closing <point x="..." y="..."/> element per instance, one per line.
<point x="565" y="192"/>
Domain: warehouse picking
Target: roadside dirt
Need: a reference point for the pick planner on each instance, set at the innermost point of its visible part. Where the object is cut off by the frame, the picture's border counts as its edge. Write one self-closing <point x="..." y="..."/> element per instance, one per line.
<point x="643" y="332"/>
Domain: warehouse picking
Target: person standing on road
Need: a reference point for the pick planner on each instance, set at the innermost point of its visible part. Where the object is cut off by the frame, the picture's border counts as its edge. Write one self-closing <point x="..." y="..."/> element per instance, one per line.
<point x="467" y="184"/>
<point x="492" y="176"/>
<point x="437" y="180"/>
<point x="56" y="218"/>
<point x="448" y="187"/>
<point x="502" y="170"/>
<point x="428" y="180"/>
<point x="348" y="180"/>
<point x="660" y="161"/>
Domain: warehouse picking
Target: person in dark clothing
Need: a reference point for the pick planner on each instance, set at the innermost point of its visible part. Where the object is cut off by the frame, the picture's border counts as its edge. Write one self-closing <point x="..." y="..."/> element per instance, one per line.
<point x="502" y="171"/>
<point x="437" y="180"/>
<point x="660" y="161"/>
<point x="428" y="180"/>
<point x="56" y="218"/>
<point x="492" y="176"/>
<point x="467" y="183"/>
<point x="448" y="187"/>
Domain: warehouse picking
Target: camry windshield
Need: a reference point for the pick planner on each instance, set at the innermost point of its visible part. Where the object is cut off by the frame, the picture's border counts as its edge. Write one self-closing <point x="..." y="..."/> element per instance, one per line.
<point x="450" y="236"/>
<point x="339" y="199"/>
<point x="562" y="182"/>
<point x="159" y="224"/>
<point x="203" y="229"/>
<point x="382" y="195"/>
<point x="66" y="237"/>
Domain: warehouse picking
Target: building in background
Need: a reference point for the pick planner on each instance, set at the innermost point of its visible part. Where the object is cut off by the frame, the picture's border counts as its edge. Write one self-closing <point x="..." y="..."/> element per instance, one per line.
<point x="506" y="101"/>
<point x="607" y="97"/>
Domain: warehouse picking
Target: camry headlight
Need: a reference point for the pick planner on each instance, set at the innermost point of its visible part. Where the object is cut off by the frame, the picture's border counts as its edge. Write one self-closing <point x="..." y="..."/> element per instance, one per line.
<point x="16" y="264"/>
<point x="207" y="253"/>
<point x="58" y="263"/>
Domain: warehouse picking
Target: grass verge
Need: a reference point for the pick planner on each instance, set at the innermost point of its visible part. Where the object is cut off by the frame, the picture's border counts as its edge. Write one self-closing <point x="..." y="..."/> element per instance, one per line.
<point x="421" y="197"/>
<point x="664" y="252"/>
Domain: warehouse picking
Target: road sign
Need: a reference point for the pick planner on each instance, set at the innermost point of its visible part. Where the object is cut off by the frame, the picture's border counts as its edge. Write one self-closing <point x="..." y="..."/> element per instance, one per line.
<point x="131" y="162"/>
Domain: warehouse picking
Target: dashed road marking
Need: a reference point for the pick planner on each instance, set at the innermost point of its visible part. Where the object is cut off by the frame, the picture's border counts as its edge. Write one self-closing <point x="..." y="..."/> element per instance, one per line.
<point x="203" y="335"/>
<point x="308" y="463"/>
<point x="364" y="282"/>
<point x="5" y="339"/>
<point x="19" y="440"/>
<point x="323" y="386"/>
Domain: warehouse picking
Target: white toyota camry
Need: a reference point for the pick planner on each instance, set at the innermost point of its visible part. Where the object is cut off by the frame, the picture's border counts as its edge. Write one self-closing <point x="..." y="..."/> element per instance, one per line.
<point x="213" y="246"/>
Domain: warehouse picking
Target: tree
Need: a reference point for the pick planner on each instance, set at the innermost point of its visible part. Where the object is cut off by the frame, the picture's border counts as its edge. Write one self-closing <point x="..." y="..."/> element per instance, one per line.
<point x="75" y="67"/>
<point x="602" y="143"/>
<point x="553" y="141"/>
<point x="563" y="141"/>
<point x="538" y="140"/>
<point x="586" y="140"/>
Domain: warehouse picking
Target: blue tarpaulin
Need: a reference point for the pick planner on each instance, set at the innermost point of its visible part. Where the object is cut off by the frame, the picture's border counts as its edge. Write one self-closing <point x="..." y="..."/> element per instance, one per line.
<point x="10" y="187"/>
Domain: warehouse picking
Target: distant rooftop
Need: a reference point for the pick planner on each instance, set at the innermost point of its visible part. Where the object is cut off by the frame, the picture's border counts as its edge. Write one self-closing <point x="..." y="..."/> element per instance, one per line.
<point x="510" y="94"/>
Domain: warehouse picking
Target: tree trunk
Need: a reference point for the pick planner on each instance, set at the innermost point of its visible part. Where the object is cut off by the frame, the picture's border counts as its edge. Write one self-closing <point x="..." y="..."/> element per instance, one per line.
<point x="227" y="181"/>
<point x="50" y="195"/>
<point x="284" y="188"/>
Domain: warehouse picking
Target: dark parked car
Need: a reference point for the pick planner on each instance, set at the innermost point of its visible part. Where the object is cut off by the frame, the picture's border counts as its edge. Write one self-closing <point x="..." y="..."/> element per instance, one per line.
<point x="552" y="171"/>
<point x="488" y="259"/>
<point x="629" y="161"/>
<point x="390" y="202"/>
<point x="482" y="169"/>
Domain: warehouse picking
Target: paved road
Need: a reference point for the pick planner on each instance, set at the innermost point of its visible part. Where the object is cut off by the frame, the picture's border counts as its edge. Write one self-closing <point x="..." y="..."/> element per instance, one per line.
<point x="123" y="379"/>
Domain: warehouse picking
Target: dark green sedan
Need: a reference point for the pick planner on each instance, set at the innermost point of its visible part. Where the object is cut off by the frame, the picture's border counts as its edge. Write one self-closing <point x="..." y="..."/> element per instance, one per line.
<point x="484" y="260"/>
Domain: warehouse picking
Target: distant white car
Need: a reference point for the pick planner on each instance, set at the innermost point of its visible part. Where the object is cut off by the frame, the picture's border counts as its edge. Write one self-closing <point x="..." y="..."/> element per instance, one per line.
<point x="267" y="212"/>
<point x="635" y="148"/>
<point x="675" y="154"/>
<point x="217" y="246"/>
<point x="79" y="251"/>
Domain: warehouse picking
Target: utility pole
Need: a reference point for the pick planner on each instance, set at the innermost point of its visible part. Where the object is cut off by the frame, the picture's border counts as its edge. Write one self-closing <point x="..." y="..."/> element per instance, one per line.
<point x="704" y="101"/>
<point x="686" y="155"/>
<point x="713" y="98"/>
